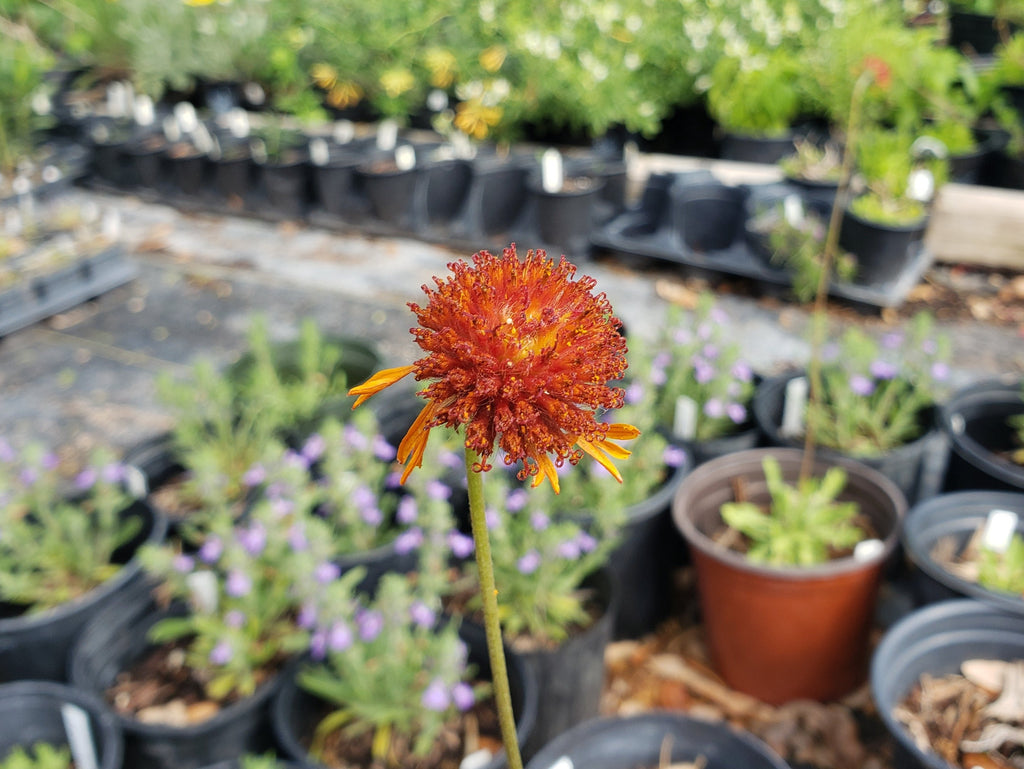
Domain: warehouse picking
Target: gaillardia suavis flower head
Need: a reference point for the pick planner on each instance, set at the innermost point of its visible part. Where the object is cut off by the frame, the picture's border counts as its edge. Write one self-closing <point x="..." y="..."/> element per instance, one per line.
<point x="519" y="354"/>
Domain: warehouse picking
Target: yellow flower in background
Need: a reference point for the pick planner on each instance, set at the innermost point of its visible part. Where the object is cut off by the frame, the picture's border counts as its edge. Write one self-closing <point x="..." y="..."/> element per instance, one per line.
<point x="198" y="3"/>
<point x="395" y="82"/>
<point x="442" y="65"/>
<point x="324" y="75"/>
<point x="345" y="94"/>
<point x="475" y="119"/>
<point x="519" y="354"/>
<point x="493" y="57"/>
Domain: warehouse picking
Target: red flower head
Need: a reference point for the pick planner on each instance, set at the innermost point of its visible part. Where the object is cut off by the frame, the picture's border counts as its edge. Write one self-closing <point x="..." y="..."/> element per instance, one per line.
<point x="519" y="354"/>
<point x="880" y="69"/>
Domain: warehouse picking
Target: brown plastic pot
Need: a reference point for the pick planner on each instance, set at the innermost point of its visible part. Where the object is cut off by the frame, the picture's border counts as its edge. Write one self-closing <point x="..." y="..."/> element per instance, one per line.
<point x="779" y="633"/>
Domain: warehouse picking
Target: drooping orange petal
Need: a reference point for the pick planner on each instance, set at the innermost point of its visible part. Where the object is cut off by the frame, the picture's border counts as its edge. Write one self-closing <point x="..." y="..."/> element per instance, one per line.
<point x="619" y="431"/>
<point x="414" y="443"/>
<point x="547" y="471"/>
<point x="600" y="450"/>
<point x="378" y="382"/>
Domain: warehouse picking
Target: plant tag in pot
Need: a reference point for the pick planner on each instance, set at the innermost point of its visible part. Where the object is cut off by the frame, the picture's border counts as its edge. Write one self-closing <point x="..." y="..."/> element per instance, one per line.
<point x="868" y="549"/>
<point x="203" y="585"/>
<point x="203" y="139"/>
<point x="318" y="152"/>
<point x="254" y="93"/>
<point x="171" y="131"/>
<point x="116" y="106"/>
<point x="41" y="104"/>
<point x="51" y="174"/>
<point x="921" y="185"/>
<point x="793" y="210"/>
<point x="111" y="225"/>
<point x="552" y="176"/>
<point x="145" y="115"/>
<point x="563" y="763"/>
<point x="405" y="157"/>
<point x="185" y="115"/>
<point x="76" y="726"/>
<point x="477" y="759"/>
<point x="135" y="482"/>
<point x="684" y="423"/>
<point x="387" y="135"/>
<point x="462" y="147"/>
<point x="344" y="131"/>
<point x="794" y="407"/>
<point x="437" y="100"/>
<point x="1000" y="526"/>
<point x="237" y="121"/>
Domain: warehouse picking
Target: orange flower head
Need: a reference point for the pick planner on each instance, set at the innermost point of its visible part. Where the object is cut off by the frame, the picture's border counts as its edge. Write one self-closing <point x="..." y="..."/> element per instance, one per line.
<point x="519" y="355"/>
<point x="881" y="70"/>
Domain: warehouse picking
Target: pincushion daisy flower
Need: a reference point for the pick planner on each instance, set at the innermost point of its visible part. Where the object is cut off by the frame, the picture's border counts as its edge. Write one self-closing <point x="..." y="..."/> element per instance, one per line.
<point x="519" y="354"/>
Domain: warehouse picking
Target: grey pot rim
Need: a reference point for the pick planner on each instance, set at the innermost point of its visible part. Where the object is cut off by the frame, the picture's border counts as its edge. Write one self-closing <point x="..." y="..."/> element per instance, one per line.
<point x="750" y="460"/>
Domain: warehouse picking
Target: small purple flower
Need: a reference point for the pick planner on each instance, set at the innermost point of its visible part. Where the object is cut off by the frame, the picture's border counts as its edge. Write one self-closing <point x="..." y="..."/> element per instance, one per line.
<point x="462" y="696"/>
<point x="436" y="697"/>
<point x="930" y="346"/>
<point x="383" y="450"/>
<point x="370" y="624"/>
<point x="539" y="521"/>
<point x="451" y="460"/>
<point x="438" y="491"/>
<point x="28" y="476"/>
<point x="407" y="510"/>
<point x="234" y="618"/>
<point x="586" y="542"/>
<point x="529" y="563"/>
<point x="297" y="539"/>
<point x="307" y="617"/>
<point x="460" y="544"/>
<point x="113" y="473"/>
<point x="221" y="654"/>
<point x="682" y="336"/>
<point x="661" y="360"/>
<point x="714" y="408"/>
<point x="276" y="490"/>
<point x="737" y="412"/>
<point x="516" y="500"/>
<point x="393" y="480"/>
<point x="255" y="475"/>
<point x="314" y="447"/>
<point x="634" y="394"/>
<point x="940" y="371"/>
<point x="422" y="615"/>
<point x="211" y="550"/>
<point x="658" y="376"/>
<point x="883" y="369"/>
<point x="705" y="331"/>
<point x="569" y="550"/>
<point x="892" y="340"/>
<point x="183" y="564"/>
<point x="703" y="372"/>
<point x="363" y="496"/>
<point x="492" y="517"/>
<point x="408" y="540"/>
<point x="354" y="438"/>
<point x="318" y="645"/>
<point x="86" y="479"/>
<point x="710" y="351"/>
<point x="674" y="456"/>
<point x="7" y="453"/>
<point x="829" y="351"/>
<point x="340" y="637"/>
<point x="282" y="507"/>
<point x="326" y="572"/>
<point x="718" y="315"/>
<point x="237" y="584"/>
<point x="742" y="371"/>
<point x="861" y="385"/>
<point x="253" y="539"/>
<point x="51" y="462"/>
<point x="372" y="516"/>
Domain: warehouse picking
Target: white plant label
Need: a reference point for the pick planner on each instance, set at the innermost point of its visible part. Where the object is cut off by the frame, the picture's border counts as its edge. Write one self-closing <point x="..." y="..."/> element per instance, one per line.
<point x="111" y="225"/>
<point x="344" y="131"/>
<point x="76" y="726"/>
<point x="135" y="482"/>
<point x="868" y="549"/>
<point x="462" y="147"/>
<point x="793" y="210"/>
<point x="684" y="422"/>
<point x="552" y="175"/>
<point x="22" y="186"/>
<point x="171" y="131"/>
<point x="116" y="106"/>
<point x="319" y="152"/>
<point x="405" y="157"/>
<point x="437" y="100"/>
<point x="387" y="135"/>
<point x="203" y="587"/>
<point x="238" y="123"/>
<point x="254" y="93"/>
<point x="794" y="407"/>
<point x="13" y="224"/>
<point x="477" y="759"/>
<point x="203" y="139"/>
<point x="51" y="174"/>
<point x="41" y="104"/>
<point x="921" y="185"/>
<point x="185" y="115"/>
<point x="563" y="763"/>
<point x="145" y="114"/>
<point x="1000" y="526"/>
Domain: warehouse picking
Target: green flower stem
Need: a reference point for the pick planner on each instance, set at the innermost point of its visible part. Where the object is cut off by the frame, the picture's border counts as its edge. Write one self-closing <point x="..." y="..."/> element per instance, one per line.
<point x="489" y="595"/>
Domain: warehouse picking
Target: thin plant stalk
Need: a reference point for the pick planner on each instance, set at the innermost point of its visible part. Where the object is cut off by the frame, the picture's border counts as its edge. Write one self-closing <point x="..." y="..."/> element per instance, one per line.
<point x="489" y="596"/>
<point x="819" y="322"/>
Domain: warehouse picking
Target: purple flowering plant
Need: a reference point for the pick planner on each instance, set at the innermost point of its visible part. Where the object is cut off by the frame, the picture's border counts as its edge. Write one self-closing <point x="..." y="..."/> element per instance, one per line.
<point x="874" y="390"/>
<point x="693" y="358"/>
<point x="58" y="534"/>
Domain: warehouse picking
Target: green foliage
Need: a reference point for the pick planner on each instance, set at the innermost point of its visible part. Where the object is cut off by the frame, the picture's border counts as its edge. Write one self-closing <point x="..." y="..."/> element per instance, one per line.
<point x="23" y="65"/>
<point x="757" y="95"/>
<point x="813" y="162"/>
<point x="42" y="755"/>
<point x="1003" y="571"/>
<point x="1007" y="10"/>
<point x="873" y="394"/>
<point x="1016" y="423"/>
<point x="58" y="543"/>
<point x="263" y="761"/>
<point x="804" y="525"/>
<point x="885" y="160"/>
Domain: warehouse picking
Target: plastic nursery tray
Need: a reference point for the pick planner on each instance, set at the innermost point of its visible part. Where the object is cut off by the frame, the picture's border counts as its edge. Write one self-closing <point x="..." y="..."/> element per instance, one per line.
<point x="656" y="230"/>
<point x="65" y="162"/>
<point x="33" y="299"/>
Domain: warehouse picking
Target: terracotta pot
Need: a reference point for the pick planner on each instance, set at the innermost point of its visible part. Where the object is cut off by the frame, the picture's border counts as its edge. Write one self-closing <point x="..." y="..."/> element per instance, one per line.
<point x="779" y="633"/>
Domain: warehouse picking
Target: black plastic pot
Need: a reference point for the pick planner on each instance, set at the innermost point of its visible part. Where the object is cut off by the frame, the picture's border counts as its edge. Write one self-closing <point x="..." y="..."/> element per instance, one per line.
<point x="35" y="646"/>
<point x="570" y="677"/>
<point x="974" y="422"/>
<point x="958" y="515"/>
<point x="31" y="713"/>
<point x="446" y="184"/>
<point x="295" y="712"/>
<point x="286" y="186"/>
<point x="905" y="465"/>
<point x="115" y="640"/>
<point x="188" y="172"/>
<point x="883" y="251"/>
<point x="502" y="197"/>
<point x="232" y="176"/>
<point x="390" y="193"/>
<point x="638" y="741"/>
<point x="935" y="641"/>
<point x="149" y="167"/>
<point x="974" y="34"/>
<point x="747" y="436"/>
<point x="565" y="219"/>
<point x="708" y="217"/>
<point x="334" y="184"/>
<point x="756" y="149"/>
